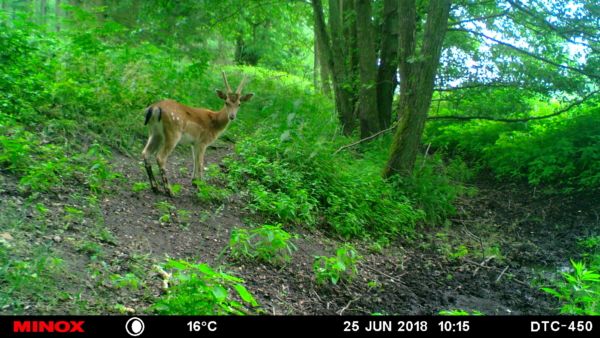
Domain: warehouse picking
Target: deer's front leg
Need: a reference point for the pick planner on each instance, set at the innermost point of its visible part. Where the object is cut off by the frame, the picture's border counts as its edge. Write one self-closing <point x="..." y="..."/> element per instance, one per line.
<point x="199" y="162"/>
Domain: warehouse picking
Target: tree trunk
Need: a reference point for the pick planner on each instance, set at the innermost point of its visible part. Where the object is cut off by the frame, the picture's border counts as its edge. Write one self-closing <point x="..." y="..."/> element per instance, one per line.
<point x="367" y="103"/>
<point x="340" y="79"/>
<point x="43" y="11"/>
<point x="321" y="65"/>
<point x="57" y="15"/>
<point x="388" y="62"/>
<point x="417" y="75"/>
<point x="333" y="53"/>
<point x="351" y="63"/>
<point x="315" y="62"/>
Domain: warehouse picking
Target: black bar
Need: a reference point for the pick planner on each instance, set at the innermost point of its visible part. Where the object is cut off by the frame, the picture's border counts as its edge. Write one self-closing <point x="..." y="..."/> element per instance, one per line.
<point x="306" y="326"/>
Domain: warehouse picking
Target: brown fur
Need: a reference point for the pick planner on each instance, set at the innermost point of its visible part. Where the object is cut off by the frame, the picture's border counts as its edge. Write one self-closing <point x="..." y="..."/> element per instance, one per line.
<point x="178" y="122"/>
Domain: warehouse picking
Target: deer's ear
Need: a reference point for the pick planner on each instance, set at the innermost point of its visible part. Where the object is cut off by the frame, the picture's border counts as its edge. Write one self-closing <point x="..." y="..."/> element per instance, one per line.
<point x="246" y="97"/>
<point x="221" y="95"/>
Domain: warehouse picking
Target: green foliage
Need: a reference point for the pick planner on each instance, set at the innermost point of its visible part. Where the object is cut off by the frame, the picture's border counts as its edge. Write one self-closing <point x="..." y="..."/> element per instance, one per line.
<point x="460" y="252"/>
<point x="208" y="193"/>
<point x="26" y="280"/>
<point x="286" y="165"/>
<point x="434" y="186"/>
<point x="341" y="267"/>
<point x="197" y="289"/>
<point x="579" y="291"/>
<point x="268" y="243"/>
<point x="561" y="153"/>
<point x="459" y="312"/>
<point x="140" y="186"/>
<point x="167" y="211"/>
<point x="129" y="280"/>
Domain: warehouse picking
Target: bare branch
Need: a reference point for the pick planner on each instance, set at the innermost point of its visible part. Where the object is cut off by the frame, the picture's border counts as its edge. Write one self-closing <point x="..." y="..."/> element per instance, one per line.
<point x="367" y="138"/>
<point x="491" y="16"/>
<point x="524" y="119"/>
<point x="479" y="85"/>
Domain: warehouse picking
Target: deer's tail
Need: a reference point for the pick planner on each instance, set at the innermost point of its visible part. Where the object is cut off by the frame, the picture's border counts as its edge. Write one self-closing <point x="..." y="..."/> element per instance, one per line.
<point x="151" y="111"/>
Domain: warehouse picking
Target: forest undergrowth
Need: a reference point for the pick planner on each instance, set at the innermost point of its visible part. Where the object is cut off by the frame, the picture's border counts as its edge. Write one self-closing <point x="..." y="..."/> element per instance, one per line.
<point x="496" y="219"/>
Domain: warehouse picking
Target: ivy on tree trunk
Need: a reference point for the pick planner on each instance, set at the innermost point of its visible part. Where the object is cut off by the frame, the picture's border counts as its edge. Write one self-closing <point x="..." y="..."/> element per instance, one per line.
<point x="417" y="74"/>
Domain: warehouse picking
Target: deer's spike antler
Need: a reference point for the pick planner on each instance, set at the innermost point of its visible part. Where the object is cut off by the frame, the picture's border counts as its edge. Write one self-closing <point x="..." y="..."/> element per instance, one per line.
<point x="226" y="83"/>
<point x="241" y="86"/>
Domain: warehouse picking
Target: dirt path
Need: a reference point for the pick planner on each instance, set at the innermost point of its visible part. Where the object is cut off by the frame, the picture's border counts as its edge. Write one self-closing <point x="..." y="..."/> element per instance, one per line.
<point x="415" y="277"/>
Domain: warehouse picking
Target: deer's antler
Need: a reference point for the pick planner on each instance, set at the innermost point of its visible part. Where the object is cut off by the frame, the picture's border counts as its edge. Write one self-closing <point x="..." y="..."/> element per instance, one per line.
<point x="226" y="83"/>
<point x="241" y="86"/>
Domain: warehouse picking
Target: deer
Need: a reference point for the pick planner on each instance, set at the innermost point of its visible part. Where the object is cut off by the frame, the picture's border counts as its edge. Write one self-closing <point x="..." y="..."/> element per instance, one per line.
<point x="170" y="123"/>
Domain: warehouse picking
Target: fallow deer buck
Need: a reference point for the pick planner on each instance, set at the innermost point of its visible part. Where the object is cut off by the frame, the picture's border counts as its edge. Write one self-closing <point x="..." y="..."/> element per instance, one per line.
<point x="171" y="122"/>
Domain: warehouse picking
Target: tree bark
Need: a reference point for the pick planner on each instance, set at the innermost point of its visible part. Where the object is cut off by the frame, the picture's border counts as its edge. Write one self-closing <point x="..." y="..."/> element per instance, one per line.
<point x="350" y="59"/>
<point x="417" y="75"/>
<point x="43" y="11"/>
<point x="57" y="15"/>
<point x="388" y="62"/>
<point x="367" y="103"/>
<point x="333" y="53"/>
<point x="321" y="64"/>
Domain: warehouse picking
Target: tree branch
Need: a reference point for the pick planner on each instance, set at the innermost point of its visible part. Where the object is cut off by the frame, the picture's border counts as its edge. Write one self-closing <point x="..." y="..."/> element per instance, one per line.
<point x="366" y="138"/>
<point x="522" y="8"/>
<point x="528" y="53"/>
<point x="524" y="119"/>
<point x="479" y="85"/>
<point x="491" y="16"/>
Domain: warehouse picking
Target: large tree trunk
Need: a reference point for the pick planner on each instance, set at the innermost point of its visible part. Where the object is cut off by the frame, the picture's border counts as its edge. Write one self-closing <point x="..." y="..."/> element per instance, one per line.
<point x="351" y="63"/>
<point x="333" y="53"/>
<point x="367" y="111"/>
<point x="417" y="75"/>
<point x="321" y="64"/>
<point x="388" y="62"/>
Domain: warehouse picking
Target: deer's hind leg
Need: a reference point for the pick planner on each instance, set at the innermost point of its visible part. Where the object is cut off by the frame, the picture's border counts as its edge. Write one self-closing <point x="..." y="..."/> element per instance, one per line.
<point x="150" y="149"/>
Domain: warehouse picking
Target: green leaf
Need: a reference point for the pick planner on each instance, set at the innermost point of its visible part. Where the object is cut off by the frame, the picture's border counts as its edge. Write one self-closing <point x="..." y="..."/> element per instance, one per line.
<point x="246" y="296"/>
<point x="219" y="292"/>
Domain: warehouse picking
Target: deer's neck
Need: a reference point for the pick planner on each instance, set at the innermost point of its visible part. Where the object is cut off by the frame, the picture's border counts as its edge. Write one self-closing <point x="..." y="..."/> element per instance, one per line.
<point x="221" y="119"/>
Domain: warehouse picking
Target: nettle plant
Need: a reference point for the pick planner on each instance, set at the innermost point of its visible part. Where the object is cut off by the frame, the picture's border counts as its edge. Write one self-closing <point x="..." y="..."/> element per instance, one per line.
<point x="579" y="291"/>
<point x="198" y="289"/>
<point x="268" y="243"/>
<point x="341" y="267"/>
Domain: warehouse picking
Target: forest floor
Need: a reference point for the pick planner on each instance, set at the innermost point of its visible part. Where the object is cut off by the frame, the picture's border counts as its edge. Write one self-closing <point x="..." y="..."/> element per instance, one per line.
<point x="501" y="246"/>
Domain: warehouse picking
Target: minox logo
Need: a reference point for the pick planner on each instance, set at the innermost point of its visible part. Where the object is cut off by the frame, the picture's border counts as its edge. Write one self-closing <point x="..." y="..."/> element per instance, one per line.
<point x="60" y="326"/>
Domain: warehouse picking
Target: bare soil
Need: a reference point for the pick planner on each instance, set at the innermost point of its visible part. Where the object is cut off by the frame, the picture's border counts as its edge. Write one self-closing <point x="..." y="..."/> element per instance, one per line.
<point x="512" y="239"/>
<point x="534" y="233"/>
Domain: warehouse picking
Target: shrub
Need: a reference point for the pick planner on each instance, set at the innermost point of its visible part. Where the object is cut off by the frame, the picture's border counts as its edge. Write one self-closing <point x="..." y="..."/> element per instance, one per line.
<point x="268" y="243"/>
<point x="562" y="153"/>
<point x="197" y="289"/>
<point x="341" y="267"/>
<point x="210" y="194"/>
<point x="285" y="165"/>
<point x="579" y="291"/>
<point x="434" y="187"/>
